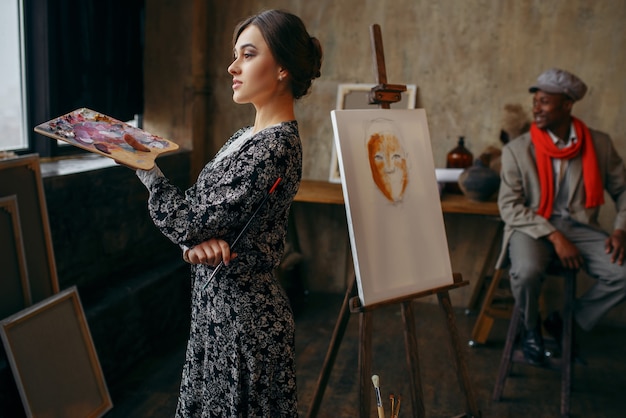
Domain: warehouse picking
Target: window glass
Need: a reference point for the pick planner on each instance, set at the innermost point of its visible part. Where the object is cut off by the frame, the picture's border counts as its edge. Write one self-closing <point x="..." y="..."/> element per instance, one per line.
<point x="12" y="101"/>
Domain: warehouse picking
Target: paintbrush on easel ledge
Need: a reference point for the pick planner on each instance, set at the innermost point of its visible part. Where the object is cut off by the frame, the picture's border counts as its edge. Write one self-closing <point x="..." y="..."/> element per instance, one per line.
<point x="396" y="412"/>
<point x="379" y="401"/>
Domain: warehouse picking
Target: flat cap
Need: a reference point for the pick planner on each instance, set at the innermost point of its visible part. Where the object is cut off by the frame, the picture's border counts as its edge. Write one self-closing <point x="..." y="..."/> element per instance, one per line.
<point x="555" y="80"/>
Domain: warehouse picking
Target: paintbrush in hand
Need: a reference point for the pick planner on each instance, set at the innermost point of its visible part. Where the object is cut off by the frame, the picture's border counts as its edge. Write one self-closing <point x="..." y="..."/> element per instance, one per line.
<point x="221" y="264"/>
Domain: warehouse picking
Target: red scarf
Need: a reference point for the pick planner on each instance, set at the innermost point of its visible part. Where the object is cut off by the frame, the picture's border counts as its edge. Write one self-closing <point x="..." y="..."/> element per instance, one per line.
<point x="546" y="149"/>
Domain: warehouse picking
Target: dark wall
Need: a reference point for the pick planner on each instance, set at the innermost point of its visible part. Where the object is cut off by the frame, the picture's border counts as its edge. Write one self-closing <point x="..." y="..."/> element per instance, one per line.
<point x="100" y="226"/>
<point x="82" y="53"/>
<point x="96" y="56"/>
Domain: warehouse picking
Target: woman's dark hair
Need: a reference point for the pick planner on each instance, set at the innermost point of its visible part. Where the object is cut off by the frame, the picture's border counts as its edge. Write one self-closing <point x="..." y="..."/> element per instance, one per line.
<point x="292" y="46"/>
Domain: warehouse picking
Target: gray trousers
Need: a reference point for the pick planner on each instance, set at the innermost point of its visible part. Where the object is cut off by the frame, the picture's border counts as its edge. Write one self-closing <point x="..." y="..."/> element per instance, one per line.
<point x="530" y="258"/>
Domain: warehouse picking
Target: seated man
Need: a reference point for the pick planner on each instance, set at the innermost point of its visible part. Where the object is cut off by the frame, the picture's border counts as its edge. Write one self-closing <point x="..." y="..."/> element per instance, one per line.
<point x="553" y="182"/>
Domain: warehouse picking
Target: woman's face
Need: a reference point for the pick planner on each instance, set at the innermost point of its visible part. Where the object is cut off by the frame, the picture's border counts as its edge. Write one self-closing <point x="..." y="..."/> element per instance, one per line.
<point x="254" y="69"/>
<point x="388" y="164"/>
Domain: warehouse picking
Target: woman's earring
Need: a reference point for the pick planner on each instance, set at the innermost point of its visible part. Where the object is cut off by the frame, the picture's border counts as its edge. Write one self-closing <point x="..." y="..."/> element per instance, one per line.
<point x="280" y="78"/>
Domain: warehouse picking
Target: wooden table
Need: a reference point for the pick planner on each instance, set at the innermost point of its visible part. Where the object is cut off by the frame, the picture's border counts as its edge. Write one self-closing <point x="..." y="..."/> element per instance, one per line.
<point x="316" y="191"/>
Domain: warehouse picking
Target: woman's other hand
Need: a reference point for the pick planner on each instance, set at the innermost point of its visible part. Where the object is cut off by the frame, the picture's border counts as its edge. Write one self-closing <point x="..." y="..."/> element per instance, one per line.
<point x="210" y="252"/>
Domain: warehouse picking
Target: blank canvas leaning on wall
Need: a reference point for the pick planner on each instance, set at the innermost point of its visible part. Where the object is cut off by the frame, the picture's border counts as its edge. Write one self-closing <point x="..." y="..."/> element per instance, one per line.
<point x="53" y="359"/>
<point x="21" y="176"/>
<point x="14" y="287"/>
<point x="396" y="227"/>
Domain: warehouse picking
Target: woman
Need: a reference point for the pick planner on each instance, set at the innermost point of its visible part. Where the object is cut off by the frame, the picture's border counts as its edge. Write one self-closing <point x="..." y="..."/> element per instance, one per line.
<point x="240" y="356"/>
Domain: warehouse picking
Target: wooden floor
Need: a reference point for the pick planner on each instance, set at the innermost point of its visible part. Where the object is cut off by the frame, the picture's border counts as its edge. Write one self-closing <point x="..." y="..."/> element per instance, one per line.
<point x="599" y="388"/>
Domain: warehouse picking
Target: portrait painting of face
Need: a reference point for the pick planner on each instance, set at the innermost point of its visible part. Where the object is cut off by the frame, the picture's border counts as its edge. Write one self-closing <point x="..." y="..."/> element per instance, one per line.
<point x="397" y="234"/>
<point x="354" y="96"/>
<point x="388" y="160"/>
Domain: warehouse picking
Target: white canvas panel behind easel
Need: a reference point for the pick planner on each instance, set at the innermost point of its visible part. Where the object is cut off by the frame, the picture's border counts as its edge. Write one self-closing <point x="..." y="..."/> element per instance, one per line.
<point x="396" y="227"/>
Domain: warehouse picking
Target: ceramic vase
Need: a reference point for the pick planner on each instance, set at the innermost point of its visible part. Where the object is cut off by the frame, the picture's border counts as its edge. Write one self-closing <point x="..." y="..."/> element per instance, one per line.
<point x="478" y="182"/>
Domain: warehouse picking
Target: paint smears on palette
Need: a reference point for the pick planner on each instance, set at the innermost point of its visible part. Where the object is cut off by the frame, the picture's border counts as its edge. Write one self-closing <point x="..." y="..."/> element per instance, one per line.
<point x="104" y="135"/>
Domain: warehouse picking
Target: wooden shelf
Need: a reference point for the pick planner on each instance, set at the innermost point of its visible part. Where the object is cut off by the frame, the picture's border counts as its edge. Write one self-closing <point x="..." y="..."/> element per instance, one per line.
<point x="458" y="203"/>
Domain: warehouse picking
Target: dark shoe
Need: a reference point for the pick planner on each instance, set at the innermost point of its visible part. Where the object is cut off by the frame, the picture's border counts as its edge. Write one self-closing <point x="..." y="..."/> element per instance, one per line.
<point x="554" y="326"/>
<point x="532" y="346"/>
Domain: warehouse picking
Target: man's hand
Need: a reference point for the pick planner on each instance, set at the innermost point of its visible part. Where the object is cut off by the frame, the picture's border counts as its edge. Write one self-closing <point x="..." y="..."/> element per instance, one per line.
<point x="567" y="252"/>
<point x="210" y="252"/>
<point x="615" y="244"/>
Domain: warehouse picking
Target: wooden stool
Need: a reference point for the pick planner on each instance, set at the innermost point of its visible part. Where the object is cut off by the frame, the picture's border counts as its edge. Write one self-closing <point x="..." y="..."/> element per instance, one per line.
<point x="564" y="364"/>
<point x="498" y="303"/>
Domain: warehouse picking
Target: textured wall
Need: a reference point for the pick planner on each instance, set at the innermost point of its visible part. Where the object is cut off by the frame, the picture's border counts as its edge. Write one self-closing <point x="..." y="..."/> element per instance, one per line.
<point x="468" y="59"/>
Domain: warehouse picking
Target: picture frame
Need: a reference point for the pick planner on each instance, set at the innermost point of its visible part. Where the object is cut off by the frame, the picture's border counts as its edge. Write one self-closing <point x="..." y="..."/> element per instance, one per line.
<point x="53" y="359"/>
<point x="14" y="287"/>
<point x="21" y="176"/>
<point x="395" y="222"/>
<point x="356" y="96"/>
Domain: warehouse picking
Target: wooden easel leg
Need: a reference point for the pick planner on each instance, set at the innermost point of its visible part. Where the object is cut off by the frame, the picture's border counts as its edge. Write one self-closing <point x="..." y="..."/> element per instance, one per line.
<point x="486" y="267"/>
<point x="412" y="360"/>
<point x="365" y="362"/>
<point x="462" y="374"/>
<point x="331" y="354"/>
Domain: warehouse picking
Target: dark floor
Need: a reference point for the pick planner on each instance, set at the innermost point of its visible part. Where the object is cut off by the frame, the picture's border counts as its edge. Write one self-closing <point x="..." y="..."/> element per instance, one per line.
<point x="598" y="388"/>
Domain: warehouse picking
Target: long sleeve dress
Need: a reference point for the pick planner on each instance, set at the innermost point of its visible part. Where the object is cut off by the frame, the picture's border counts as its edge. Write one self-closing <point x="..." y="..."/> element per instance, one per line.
<point x="240" y="359"/>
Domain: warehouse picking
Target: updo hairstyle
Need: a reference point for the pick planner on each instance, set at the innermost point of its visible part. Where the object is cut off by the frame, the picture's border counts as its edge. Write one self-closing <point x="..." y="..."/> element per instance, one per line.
<point x="291" y="45"/>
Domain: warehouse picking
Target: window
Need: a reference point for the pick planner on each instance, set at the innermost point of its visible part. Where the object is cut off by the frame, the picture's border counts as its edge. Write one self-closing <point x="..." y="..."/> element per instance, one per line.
<point x="12" y="98"/>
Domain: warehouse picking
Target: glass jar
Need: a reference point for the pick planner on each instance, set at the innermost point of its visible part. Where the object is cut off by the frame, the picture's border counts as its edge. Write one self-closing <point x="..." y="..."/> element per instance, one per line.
<point x="459" y="157"/>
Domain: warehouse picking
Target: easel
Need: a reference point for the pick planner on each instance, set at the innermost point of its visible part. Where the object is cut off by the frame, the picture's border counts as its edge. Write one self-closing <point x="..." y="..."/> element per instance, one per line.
<point x="384" y="94"/>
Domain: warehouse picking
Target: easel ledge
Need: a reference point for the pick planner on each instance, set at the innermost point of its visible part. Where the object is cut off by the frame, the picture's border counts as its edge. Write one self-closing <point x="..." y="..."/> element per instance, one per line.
<point x="356" y="307"/>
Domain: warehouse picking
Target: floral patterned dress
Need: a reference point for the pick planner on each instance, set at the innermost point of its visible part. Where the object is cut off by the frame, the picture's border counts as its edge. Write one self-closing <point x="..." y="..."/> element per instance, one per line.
<point x="240" y="359"/>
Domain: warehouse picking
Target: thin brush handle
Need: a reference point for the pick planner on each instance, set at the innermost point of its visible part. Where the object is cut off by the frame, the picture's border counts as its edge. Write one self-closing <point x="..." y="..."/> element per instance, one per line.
<point x="379" y="403"/>
<point x="267" y="196"/>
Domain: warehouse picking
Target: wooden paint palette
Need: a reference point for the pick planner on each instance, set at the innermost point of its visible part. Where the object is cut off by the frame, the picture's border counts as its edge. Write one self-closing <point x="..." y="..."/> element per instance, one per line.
<point x="104" y="135"/>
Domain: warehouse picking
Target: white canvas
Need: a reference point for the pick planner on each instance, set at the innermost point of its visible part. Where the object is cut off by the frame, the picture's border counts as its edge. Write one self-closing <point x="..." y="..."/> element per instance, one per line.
<point x="397" y="233"/>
